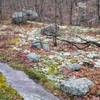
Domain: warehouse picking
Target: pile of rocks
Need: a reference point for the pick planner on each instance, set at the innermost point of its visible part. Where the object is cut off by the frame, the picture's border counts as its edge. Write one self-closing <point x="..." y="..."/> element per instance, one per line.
<point x="19" y="17"/>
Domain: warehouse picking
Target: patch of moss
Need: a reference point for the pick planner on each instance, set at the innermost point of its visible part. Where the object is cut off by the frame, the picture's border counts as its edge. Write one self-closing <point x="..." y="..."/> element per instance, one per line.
<point x="13" y="41"/>
<point x="35" y="74"/>
<point x="50" y="85"/>
<point x="6" y="92"/>
<point x="17" y="65"/>
<point x="3" y="57"/>
<point x="52" y="66"/>
<point x="53" y="69"/>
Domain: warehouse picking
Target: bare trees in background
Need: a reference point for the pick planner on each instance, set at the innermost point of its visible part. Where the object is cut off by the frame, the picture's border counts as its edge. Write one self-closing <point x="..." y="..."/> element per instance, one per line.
<point x="42" y="3"/>
<point x="73" y="12"/>
<point x="1" y="8"/>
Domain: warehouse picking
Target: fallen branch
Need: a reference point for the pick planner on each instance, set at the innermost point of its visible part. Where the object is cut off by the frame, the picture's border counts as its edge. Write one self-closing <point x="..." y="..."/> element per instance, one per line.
<point x="90" y="42"/>
<point x="87" y="44"/>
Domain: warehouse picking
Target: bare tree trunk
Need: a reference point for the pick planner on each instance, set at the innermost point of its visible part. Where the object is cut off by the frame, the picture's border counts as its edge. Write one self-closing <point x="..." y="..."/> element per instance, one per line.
<point x="60" y="4"/>
<point x="98" y="9"/>
<point x="42" y="2"/>
<point x="55" y="36"/>
<point x="71" y="11"/>
<point x="36" y="5"/>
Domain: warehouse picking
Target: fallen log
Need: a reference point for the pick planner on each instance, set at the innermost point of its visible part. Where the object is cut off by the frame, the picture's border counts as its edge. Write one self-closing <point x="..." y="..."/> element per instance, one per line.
<point x="87" y="44"/>
<point x="90" y="42"/>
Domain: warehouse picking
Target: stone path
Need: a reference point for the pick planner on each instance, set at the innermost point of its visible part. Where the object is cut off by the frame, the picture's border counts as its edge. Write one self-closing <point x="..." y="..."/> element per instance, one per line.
<point x="26" y="87"/>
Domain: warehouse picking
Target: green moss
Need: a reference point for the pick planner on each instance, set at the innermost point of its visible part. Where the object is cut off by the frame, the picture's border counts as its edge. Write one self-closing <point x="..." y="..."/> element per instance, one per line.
<point x="13" y="41"/>
<point x="35" y="74"/>
<point x="17" y="65"/>
<point x="51" y="85"/>
<point x="52" y="66"/>
<point x="6" y="92"/>
<point x="3" y="57"/>
<point x="53" y="69"/>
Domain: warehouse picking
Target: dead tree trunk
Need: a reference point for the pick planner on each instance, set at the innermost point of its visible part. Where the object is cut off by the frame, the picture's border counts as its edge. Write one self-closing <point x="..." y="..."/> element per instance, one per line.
<point x="98" y="9"/>
<point x="71" y="11"/>
<point x="55" y="36"/>
<point x="42" y="3"/>
<point x="60" y="6"/>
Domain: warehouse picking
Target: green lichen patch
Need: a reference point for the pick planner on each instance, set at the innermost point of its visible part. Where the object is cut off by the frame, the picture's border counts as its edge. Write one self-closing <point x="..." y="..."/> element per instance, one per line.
<point x="13" y="41"/>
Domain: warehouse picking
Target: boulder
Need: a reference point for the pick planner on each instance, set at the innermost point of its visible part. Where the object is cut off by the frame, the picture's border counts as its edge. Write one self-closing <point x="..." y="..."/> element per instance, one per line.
<point x="37" y="44"/>
<point x="19" y="17"/>
<point x="46" y="46"/>
<point x="33" y="57"/>
<point x="77" y="87"/>
<point x="40" y="45"/>
<point x="50" y="30"/>
<point x="24" y="16"/>
<point x="31" y="15"/>
<point x="72" y="67"/>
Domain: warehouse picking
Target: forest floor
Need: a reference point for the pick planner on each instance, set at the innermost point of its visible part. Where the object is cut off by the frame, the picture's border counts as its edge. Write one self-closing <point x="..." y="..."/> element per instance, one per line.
<point x="15" y="45"/>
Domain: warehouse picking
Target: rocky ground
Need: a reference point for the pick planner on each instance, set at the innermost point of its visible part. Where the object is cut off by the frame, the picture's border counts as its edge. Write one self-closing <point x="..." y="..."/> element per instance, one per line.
<point x="70" y="71"/>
